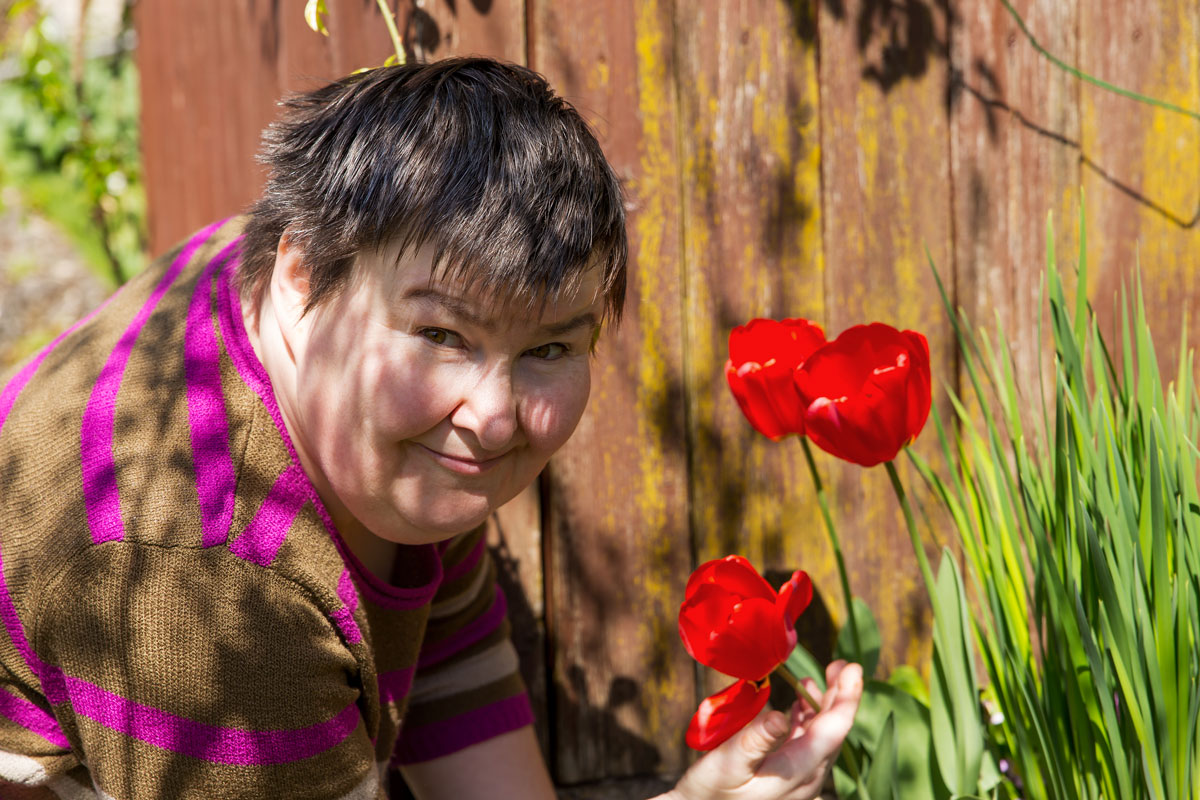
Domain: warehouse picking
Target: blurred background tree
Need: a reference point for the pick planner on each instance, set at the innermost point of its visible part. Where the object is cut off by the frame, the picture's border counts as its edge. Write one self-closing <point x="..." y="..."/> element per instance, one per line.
<point x="69" y="126"/>
<point x="72" y="206"/>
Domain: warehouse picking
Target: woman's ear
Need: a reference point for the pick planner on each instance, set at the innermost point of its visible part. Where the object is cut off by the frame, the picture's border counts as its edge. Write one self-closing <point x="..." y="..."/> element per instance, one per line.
<point x="289" y="282"/>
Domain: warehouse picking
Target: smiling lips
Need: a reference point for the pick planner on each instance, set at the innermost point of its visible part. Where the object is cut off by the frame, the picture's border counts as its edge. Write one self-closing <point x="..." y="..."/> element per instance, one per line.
<point x="463" y="466"/>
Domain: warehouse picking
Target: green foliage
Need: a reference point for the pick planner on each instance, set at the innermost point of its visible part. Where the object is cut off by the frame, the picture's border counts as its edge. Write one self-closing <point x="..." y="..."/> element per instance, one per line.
<point x="868" y="631"/>
<point x="1081" y="537"/>
<point x="69" y="142"/>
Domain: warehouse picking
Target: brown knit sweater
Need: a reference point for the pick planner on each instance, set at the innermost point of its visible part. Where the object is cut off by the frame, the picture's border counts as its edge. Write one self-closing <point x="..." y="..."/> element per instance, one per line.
<point x="180" y="616"/>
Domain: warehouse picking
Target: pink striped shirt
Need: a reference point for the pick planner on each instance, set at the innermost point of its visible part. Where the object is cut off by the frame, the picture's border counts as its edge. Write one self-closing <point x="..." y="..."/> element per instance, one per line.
<point x="181" y="617"/>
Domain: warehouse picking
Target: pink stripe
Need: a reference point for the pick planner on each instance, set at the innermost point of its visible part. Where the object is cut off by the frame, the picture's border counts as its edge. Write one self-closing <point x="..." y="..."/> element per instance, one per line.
<point x="394" y="685"/>
<point x="263" y="537"/>
<point x="451" y="735"/>
<point x="468" y="563"/>
<point x="32" y="718"/>
<point x="211" y="743"/>
<point x="344" y="619"/>
<point x="8" y="397"/>
<point x="233" y="332"/>
<point x="466" y="636"/>
<point x="50" y="676"/>
<point x="100" y="495"/>
<point x="346" y="590"/>
<point x="215" y="479"/>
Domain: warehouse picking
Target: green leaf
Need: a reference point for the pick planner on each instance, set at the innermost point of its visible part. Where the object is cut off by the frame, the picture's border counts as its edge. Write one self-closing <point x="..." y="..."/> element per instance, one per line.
<point x="881" y="779"/>
<point x="802" y="665"/>
<point x="314" y="15"/>
<point x="868" y="631"/>
<point x="906" y="678"/>
<point x="954" y="695"/>
<point x="915" y="774"/>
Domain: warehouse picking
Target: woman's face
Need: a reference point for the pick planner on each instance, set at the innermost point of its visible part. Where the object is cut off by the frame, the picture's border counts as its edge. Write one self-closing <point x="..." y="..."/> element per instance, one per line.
<point x="422" y="408"/>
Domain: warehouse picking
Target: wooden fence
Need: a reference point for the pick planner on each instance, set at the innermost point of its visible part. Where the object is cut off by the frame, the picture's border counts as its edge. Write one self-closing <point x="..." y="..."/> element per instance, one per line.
<point x="781" y="158"/>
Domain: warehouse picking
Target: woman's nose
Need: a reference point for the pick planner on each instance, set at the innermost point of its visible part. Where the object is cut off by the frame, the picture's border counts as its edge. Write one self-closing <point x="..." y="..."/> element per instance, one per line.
<point x="488" y="409"/>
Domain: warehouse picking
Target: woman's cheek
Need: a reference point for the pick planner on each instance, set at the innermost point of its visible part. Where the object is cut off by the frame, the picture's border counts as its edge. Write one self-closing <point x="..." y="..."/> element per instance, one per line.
<point x="555" y="413"/>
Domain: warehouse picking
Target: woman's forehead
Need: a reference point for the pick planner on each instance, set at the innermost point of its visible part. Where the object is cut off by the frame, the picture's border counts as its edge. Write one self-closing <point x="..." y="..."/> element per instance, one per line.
<point x="413" y="278"/>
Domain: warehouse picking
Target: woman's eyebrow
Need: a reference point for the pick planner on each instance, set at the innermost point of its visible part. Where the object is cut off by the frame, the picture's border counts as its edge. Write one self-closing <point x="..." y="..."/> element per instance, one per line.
<point x="457" y="306"/>
<point x="462" y="309"/>
<point x="585" y="320"/>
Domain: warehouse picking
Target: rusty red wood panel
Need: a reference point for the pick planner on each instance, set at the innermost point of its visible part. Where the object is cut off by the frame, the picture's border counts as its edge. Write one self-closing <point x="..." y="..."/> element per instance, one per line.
<point x="1141" y="172"/>
<point x="208" y="84"/>
<point x="213" y="72"/>
<point x="617" y="545"/>
<point x="1016" y="149"/>
<point x="886" y="197"/>
<point x="750" y="144"/>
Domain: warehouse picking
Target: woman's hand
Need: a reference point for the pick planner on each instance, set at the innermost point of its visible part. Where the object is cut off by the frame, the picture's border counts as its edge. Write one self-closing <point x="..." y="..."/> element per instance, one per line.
<point x="776" y="758"/>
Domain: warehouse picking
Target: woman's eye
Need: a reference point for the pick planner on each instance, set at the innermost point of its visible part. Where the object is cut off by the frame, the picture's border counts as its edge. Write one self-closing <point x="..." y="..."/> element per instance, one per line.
<point x="441" y="336"/>
<point x="549" y="352"/>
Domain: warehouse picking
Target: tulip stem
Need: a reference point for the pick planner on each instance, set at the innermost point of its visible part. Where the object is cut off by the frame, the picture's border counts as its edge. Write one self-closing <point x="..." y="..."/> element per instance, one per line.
<point x="847" y="753"/>
<point x="798" y="687"/>
<point x="823" y="502"/>
<point x="918" y="548"/>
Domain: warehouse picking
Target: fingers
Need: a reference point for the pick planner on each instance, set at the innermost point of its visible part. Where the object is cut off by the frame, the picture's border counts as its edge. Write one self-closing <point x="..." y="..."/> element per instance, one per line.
<point x="825" y="732"/>
<point x="817" y="736"/>
<point x="813" y="690"/>
<point x="762" y="737"/>
<point x="832" y="672"/>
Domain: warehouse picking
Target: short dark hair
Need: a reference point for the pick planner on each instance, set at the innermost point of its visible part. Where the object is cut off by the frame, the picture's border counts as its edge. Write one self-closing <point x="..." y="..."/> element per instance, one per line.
<point x="477" y="158"/>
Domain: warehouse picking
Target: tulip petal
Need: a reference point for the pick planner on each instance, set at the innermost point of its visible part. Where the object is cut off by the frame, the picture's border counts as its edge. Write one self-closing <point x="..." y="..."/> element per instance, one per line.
<point x="706" y="609"/>
<point x="725" y="713"/>
<point x="840" y="434"/>
<point x="920" y="397"/>
<point x="779" y="390"/>
<point x="795" y="595"/>
<point x="735" y="574"/>
<point x="867" y="392"/>
<point x="751" y="644"/>
<point x="749" y="393"/>
<point x="787" y="342"/>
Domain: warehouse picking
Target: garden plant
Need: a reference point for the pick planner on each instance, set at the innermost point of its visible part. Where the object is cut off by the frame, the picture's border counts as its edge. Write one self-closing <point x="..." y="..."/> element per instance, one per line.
<point x="1074" y="508"/>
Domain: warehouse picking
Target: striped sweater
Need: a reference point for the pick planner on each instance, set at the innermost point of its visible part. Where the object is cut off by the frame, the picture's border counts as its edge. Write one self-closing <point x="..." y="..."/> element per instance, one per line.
<point x="180" y="616"/>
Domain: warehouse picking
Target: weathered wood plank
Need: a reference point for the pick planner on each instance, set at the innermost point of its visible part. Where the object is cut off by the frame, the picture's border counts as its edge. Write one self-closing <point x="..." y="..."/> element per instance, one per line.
<point x="213" y="72"/>
<point x="1141" y="164"/>
<point x="752" y="236"/>
<point x="886" y="197"/>
<point x="515" y="541"/>
<point x="1015" y="129"/>
<point x="617" y="525"/>
<point x="208" y="87"/>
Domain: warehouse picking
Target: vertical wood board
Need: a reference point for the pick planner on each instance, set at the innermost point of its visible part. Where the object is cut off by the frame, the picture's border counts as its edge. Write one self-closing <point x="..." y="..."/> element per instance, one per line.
<point x="1016" y="151"/>
<point x="886" y="198"/>
<point x="617" y="525"/>
<point x="1142" y="164"/>
<point x="750" y="153"/>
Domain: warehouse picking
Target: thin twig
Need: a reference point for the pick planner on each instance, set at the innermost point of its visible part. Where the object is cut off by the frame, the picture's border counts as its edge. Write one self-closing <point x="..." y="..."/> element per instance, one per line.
<point x="389" y="19"/>
<point x="1083" y="76"/>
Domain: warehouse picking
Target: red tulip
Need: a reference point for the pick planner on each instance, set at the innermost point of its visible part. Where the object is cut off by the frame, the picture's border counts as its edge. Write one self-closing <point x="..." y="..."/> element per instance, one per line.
<point x="867" y="393"/>
<point x="726" y="713"/>
<point x="733" y="621"/>
<point x="763" y="354"/>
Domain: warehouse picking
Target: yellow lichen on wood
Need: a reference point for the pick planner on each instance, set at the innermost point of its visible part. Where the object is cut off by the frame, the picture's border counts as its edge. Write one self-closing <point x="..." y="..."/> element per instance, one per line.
<point x="1171" y="166"/>
<point x="657" y="193"/>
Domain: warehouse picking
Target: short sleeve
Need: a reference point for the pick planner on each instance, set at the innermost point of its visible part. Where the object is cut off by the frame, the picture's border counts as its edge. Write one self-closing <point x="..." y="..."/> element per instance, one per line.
<point x="468" y="685"/>
<point x="193" y="674"/>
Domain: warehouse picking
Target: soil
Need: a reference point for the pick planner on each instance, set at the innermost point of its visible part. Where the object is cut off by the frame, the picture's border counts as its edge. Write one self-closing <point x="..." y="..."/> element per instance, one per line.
<point x="45" y="284"/>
